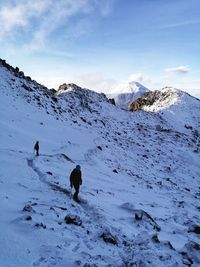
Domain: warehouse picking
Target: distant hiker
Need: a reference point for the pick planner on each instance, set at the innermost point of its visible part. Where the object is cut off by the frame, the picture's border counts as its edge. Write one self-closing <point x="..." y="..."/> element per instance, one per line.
<point x="76" y="181"/>
<point x="36" y="148"/>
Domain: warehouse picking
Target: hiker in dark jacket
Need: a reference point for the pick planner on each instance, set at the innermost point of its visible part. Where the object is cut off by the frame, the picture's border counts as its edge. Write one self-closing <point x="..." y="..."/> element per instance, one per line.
<point x="76" y="181"/>
<point x="36" y="148"/>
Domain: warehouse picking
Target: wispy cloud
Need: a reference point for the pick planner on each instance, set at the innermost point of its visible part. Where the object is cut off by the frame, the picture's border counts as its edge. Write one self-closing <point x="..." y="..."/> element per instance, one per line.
<point x="178" y="70"/>
<point x="38" y="20"/>
<point x="179" y="24"/>
<point x="17" y="16"/>
<point x="57" y="15"/>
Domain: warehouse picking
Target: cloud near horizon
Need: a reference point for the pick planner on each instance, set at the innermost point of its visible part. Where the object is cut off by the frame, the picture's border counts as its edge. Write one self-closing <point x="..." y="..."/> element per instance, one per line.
<point x="178" y="70"/>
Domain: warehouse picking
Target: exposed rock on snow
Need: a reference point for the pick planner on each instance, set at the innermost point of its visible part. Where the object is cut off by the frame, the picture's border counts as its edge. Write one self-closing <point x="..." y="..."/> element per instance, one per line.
<point x="28" y="208"/>
<point x="141" y="215"/>
<point x="191" y="253"/>
<point x="162" y="99"/>
<point x="73" y="219"/>
<point x="108" y="238"/>
<point x="70" y="86"/>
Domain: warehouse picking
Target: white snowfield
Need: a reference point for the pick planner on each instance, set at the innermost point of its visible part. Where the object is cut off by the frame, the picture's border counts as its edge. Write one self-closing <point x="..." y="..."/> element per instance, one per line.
<point x="140" y="197"/>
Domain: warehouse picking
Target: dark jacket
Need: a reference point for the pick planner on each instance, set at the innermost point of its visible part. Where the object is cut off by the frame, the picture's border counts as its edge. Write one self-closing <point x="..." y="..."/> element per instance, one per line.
<point x="36" y="147"/>
<point x="75" y="178"/>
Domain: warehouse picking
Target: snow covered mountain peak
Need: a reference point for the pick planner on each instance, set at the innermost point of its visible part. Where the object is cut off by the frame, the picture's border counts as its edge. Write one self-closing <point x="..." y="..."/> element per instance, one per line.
<point x="130" y="88"/>
<point x="124" y="94"/>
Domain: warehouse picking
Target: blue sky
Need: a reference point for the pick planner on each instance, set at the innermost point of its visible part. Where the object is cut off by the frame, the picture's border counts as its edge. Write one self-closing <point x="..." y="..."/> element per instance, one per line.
<point x="100" y="44"/>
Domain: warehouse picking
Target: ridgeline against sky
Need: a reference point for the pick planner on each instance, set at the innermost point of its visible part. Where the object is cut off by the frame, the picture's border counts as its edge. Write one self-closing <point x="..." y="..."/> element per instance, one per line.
<point x="100" y="44"/>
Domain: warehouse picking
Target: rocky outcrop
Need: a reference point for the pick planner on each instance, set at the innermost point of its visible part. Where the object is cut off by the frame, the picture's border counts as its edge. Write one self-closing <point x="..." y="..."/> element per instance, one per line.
<point x="150" y="98"/>
<point x="64" y="87"/>
<point x="80" y="98"/>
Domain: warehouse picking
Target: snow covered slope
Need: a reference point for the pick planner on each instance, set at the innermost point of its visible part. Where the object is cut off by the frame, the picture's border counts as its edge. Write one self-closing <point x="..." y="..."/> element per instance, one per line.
<point x="125" y="94"/>
<point x="141" y="180"/>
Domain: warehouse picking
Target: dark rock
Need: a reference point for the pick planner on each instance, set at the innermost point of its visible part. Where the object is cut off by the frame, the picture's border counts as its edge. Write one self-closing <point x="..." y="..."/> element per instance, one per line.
<point x="167" y="243"/>
<point x="191" y="253"/>
<point x="28" y="208"/>
<point x="73" y="219"/>
<point x="37" y="98"/>
<point x="141" y="215"/>
<point x="50" y="173"/>
<point x="21" y="74"/>
<point x="155" y="239"/>
<point x="115" y="171"/>
<point x="99" y="147"/>
<point x="138" y="216"/>
<point x="187" y="189"/>
<point x="27" y="88"/>
<point x="108" y="238"/>
<point x="112" y="101"/>
<point x="28" y="218"/>
<point x="40" y="225"/>
<point x="67" y="158"/>
<point x="53" y="90"/>
<point x="194" y="229"/>
<point x="83" y="119"/>
<point x="28" y="78"/>
<point x="54" y="99"/>
<point x="188" y="127"/>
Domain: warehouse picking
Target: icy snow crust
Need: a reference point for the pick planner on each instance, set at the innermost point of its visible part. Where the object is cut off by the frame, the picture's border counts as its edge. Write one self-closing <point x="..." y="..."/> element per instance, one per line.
<point x="141" y="180"/>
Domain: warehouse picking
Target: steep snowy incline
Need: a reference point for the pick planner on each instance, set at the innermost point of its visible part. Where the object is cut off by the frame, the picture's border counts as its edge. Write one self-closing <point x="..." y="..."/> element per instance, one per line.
<point x="140" y="193"/>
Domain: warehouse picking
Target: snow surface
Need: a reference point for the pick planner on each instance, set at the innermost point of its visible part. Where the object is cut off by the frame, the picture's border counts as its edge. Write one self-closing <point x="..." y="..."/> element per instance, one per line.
<point x="141" y="179"/>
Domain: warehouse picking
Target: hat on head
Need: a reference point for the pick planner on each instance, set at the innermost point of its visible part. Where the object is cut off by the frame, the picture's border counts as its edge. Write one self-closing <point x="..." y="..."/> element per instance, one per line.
<point x="78" y="167"/>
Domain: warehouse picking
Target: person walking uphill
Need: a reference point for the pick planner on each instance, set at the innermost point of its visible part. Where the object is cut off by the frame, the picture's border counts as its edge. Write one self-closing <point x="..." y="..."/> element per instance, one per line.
<point x="76" y="181"/>
<point x="36" y="148"/>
